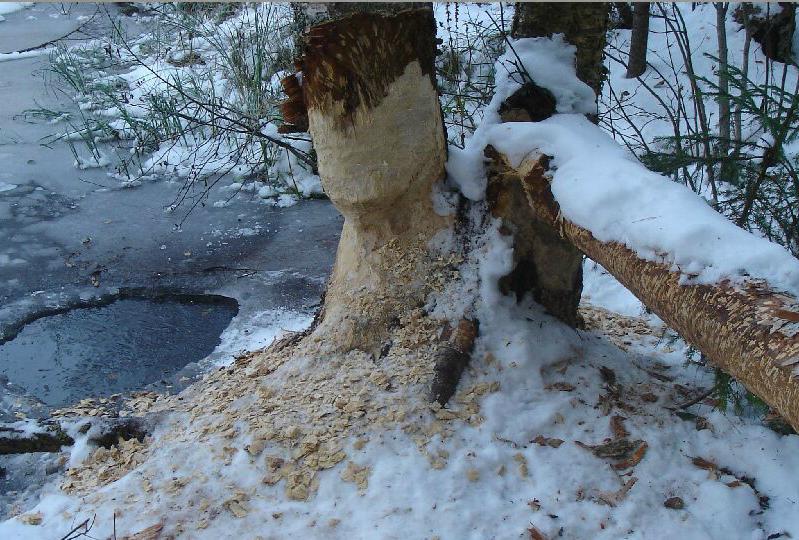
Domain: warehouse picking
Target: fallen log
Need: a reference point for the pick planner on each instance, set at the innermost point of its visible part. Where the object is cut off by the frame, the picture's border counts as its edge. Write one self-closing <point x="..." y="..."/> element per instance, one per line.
<point x="451" y="359"/>
<point x="748" y="330"/>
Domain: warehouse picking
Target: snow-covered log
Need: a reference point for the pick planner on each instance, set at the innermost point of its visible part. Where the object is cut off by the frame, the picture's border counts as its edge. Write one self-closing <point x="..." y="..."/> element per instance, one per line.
<point x="745" y="327"/>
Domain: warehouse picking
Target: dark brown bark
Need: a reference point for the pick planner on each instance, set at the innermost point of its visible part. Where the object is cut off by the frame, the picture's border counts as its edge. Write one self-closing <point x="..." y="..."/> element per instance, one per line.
<point x="748" y="330"/>
<point x="636" y="64"/>
<point x="50" y="437"/>
<point x="451" y="359"/>
<point x="368" y="71"/>
<point x="725" y="123"/>
<point x="624" y="16"/>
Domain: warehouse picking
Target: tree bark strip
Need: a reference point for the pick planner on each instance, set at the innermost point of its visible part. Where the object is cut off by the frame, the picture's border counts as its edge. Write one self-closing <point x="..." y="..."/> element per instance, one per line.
<point x="49" y="436"/>
<point x="748" y="330"/>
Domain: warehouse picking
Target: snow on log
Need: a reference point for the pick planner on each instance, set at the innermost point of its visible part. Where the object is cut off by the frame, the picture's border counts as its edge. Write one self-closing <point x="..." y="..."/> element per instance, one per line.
<point x="744" y="326"/>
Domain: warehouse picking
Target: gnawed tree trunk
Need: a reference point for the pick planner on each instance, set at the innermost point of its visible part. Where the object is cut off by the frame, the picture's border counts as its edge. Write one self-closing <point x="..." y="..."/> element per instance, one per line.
<point x="544" y="264"/>
<point x="749" y="331"/>
<point x="639" y="40"/>
<point x="368" y="85"/>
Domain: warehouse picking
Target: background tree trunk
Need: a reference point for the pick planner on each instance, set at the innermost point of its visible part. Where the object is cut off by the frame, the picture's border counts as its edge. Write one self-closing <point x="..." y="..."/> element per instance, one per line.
<point x="584" y="25"/>
<point x="368" y="83"/>
<point x="624" y="16"/>
<point x="725" y="124"/>
<point x="749" y="331"/>
<point x="545" y="265"/>
<point x="636" y="65"/>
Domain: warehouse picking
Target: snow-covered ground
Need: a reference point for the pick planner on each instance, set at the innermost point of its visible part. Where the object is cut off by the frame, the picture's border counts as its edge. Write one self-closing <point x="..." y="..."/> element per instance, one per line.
<point x="554" y="433"/>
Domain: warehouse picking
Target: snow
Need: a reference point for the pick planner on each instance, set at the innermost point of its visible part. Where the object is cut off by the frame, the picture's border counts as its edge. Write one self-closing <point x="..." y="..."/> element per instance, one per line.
<point x="11" y="7"/>
<point x="7" y="187"/>
<point x="7" y="57"/>
<point x="255" y="331"/>
<point x="550" y="62"/>
<point x="91" y="162"/>
<point x="602" y="289"/>
<point x="495" y="481"/>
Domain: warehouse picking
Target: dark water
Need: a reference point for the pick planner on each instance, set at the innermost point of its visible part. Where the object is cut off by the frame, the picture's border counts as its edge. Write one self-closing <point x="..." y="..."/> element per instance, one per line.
<point x="124" y="346"/>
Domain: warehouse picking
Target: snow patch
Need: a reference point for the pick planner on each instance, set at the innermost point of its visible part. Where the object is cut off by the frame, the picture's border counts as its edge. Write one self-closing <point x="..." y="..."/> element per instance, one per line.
<point x="250" y="332"/>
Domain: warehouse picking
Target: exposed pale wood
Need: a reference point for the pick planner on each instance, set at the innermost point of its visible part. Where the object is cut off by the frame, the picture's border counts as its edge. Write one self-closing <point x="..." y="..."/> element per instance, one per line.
<point x="748" y="330"/>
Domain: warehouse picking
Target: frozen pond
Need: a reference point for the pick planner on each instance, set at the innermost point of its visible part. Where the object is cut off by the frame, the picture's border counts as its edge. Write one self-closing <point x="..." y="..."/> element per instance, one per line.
<point x="100" y="351"/>
<point x="73" y="238"/>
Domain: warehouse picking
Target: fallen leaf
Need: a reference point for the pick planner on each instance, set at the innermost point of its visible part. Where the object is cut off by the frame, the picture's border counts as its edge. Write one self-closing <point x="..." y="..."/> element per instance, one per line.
<point x="548" y="441"/>
<point x="675" y="503"/>
<point x="617" y="449"/>
<point x="634" y="459"/>
<point x="702" y="463"/>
